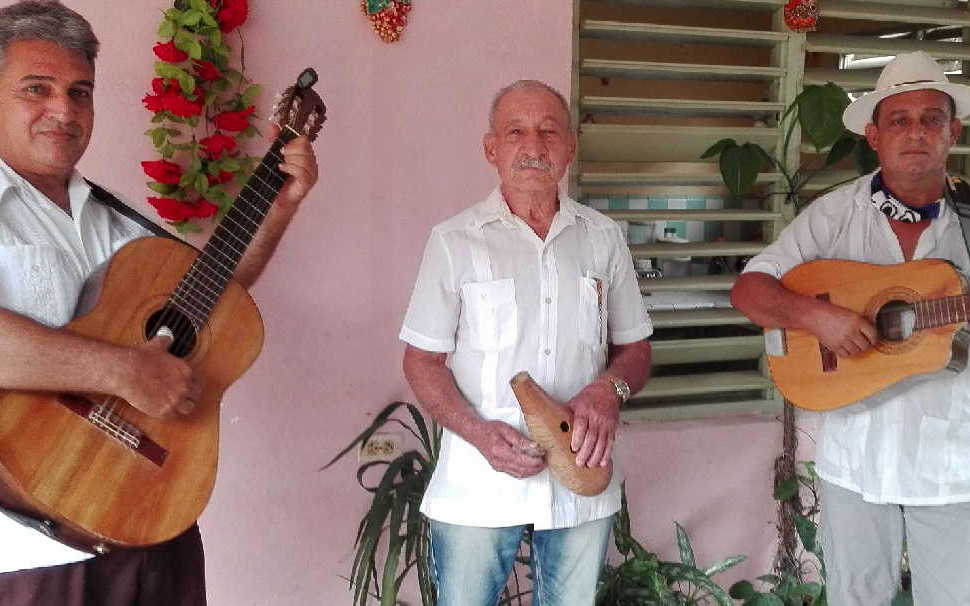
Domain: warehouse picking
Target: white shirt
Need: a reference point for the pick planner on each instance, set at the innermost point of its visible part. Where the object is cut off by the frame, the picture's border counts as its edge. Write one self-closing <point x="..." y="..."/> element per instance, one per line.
<point x="909" y="444"/>
<point x="45" y="257"/>
<point x="500" y="300"/>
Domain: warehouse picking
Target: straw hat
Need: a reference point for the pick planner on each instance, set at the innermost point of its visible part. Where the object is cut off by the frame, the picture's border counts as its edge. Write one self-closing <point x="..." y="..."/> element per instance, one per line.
<point x="907" y="72"/>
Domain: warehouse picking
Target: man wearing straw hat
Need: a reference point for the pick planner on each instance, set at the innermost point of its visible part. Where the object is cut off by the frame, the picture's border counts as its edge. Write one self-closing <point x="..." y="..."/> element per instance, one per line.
<point x="895" y="467"/>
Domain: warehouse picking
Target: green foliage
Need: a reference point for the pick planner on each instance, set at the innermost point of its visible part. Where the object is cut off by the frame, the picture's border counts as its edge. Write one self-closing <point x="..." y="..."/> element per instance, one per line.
<point x="393" y="524"/>
<point x="642" y="579"/>
<point x="800" y="580"/>
<point x="817" y="110"/>
<point x="193" y="28"/>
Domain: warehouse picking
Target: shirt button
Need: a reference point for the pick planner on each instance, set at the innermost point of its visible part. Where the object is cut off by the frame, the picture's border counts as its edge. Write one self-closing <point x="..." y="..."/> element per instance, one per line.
<point x="547" y="352"/>
<point x="548" y="300"/>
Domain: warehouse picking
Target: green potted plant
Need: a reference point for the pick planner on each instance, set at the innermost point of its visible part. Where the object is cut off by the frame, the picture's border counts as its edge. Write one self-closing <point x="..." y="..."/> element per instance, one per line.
<point x="817" y="110"/>
<point x="643" y="579"/>
<point x="392" y="538"/>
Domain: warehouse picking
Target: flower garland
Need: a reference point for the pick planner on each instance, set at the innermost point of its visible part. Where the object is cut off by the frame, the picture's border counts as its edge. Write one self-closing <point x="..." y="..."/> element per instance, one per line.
<point x="196" y="84"/>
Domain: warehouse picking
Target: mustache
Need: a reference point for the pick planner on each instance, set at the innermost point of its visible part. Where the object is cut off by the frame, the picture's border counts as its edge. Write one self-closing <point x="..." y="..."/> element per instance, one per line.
<point x="538" y="163"/>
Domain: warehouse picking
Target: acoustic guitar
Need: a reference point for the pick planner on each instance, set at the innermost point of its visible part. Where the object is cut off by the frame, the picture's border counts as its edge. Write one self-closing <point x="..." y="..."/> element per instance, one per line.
<point x="98" y="472"/>
<point x="919" y="309"/>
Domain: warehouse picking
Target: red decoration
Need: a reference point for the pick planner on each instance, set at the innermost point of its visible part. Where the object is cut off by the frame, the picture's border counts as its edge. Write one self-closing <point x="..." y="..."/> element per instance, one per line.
<point x="172" y="100"/>
<point x="801" y="15"/>
<point x="234" y="121"/>
<point x="389" y="21"/>
<point x="202" y="107"/>
<point x="206" y="70"/>
<point x="220" y="179"/>
<point x="215" y="145"/>
<point x="231" y="13"/>
<point x="169" y="53"/>
<point x="177" y="210"/>
<point x="163" y="171"/>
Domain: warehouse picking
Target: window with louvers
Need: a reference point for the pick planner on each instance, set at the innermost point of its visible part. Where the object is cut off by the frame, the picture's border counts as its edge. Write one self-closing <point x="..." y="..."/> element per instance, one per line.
<point x="655" y="83"/>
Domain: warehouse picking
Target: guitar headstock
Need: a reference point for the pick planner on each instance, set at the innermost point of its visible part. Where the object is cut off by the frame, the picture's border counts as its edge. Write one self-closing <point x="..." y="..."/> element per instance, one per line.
<point x="300" y="108"/>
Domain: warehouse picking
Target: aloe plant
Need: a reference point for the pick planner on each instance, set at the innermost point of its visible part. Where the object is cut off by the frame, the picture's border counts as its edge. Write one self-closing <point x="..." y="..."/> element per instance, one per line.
<point x="818" y="111"/>
<point x="393" y="519"/>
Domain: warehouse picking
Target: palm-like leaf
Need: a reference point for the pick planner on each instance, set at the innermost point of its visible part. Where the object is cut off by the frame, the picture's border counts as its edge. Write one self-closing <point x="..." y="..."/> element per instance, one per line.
<point x="393" y="518"/>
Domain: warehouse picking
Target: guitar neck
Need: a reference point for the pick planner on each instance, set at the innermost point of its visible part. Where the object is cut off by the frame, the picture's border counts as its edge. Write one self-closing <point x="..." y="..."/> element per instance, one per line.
<point x="942" y="312"/>
<point x="204" y="283"/>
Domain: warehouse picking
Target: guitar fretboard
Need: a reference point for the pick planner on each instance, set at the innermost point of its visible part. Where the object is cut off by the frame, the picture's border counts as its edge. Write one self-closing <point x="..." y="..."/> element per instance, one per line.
<point x="941" y="312"/>
<point x="200" y="289"/>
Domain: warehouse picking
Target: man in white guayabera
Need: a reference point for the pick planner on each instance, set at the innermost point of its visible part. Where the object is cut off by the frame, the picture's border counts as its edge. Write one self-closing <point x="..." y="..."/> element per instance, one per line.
<point x="54" y="232"/>
<point x="895" y="467"/>
<point x="526" y="279"/>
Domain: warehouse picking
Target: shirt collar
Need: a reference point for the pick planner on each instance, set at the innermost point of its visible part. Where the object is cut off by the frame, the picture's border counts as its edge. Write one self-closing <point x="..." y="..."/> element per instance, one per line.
<point x="495" y="208"/>
<point x="78" y="190"/>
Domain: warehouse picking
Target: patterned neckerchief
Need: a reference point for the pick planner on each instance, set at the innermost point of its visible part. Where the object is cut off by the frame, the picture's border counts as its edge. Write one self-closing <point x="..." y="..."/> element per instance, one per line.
<point x="889" y="205"/>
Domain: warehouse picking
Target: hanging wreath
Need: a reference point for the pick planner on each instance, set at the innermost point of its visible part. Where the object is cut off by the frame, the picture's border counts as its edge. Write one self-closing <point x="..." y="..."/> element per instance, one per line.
<point x="197" y="92"/>
<point x="388" y="17"/>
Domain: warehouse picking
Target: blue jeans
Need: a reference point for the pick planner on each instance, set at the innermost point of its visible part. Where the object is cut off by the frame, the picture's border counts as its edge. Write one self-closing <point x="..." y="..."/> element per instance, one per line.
<point x="471" y="565"/>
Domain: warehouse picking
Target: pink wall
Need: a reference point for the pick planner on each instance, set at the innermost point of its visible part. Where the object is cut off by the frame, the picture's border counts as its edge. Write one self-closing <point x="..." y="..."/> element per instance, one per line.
<point x="400" y="151"/>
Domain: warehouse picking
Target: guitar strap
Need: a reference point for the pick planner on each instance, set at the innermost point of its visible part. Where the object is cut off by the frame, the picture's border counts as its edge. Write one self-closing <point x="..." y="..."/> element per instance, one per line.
<point x="111" y="201"/>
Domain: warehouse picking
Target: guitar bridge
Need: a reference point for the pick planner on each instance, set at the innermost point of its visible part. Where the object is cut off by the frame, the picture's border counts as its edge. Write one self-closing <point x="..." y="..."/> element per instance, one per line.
<point x="116" y="427"/>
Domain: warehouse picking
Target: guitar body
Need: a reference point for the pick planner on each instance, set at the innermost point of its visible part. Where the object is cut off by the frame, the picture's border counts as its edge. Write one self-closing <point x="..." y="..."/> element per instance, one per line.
<point x="812" y="378"/>
<point x="98" y="491"/>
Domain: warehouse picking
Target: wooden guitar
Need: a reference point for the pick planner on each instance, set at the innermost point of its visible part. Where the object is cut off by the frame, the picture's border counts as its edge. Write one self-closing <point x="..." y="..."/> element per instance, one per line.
<point x="918" y="308"/>
<point x="98" y="472"/>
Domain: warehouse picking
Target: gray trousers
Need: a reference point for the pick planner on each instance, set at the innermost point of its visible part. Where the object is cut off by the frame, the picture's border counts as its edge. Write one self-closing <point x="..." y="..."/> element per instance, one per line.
<point x="863" y="542"/>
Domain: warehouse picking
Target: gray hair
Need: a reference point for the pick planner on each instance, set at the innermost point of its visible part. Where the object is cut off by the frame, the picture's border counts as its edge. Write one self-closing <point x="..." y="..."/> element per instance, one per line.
<point x="47" y="20"/>
<point x="527" y="85"/>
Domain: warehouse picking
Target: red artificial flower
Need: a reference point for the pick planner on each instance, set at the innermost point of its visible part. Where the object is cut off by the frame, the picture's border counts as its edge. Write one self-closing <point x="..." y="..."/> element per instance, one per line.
<point x="207" y="70"/>
<point x="223" y="177"/>
<point x="184" y="107"/>
<point x="154" y="103"/>
<point x="162" y="85"/>
<point x="204" y="208"/>
<point x="232" y="14"/>
<point x="173" y="101"/>
<point x="234" y="121"/>
<point x="169" y="53"/>
<point x="214" y="145"/>
<point x="163" y="171"/>
<point x="172" y="209"/>
<point x="177" y="210"/>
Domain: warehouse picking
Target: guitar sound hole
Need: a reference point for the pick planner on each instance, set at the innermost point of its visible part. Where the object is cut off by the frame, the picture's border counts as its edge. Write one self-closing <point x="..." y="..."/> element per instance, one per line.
<point x="180" y="325"/>
<point x="896" y="321"/>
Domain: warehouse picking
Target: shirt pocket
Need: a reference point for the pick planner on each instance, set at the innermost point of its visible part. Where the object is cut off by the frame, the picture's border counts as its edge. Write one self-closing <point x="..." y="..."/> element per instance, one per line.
<point x="592" y="310"/>
<point x="492" y="315"/>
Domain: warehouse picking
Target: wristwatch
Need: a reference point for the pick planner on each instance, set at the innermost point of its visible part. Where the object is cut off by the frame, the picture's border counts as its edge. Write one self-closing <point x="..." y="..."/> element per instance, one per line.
<point x="621" y="387"/>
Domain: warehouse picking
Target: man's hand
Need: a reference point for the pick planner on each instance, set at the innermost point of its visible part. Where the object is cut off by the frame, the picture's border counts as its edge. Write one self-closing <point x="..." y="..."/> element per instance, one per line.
<point x="158" y="383"/>
<point x="300" y="163"/>
<point x="508" y="451"/>
<point x="596" y="415"/>
<point x="843" y="331"/>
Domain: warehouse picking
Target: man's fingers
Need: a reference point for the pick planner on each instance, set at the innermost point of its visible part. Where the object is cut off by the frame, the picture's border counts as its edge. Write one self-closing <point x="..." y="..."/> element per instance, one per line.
<point x="580" y="425"/>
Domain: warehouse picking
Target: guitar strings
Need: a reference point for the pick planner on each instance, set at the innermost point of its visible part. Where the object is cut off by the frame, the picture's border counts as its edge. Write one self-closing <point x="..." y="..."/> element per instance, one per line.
<point x="181" y="314"/>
